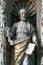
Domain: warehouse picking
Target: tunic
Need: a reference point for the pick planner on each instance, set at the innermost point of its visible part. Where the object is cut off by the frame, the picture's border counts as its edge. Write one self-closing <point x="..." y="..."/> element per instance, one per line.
<point x="20" y="31"/>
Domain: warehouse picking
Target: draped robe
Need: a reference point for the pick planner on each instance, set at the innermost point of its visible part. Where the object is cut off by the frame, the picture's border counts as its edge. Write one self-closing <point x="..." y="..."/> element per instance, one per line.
<point x="19" y="32"/>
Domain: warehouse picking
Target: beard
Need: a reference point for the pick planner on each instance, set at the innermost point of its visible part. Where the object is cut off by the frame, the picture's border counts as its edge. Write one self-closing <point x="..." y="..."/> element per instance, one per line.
<point x="23" y="18"/>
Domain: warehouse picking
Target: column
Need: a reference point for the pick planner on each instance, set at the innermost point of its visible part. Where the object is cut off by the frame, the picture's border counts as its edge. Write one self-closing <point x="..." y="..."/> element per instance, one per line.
<point x="41" y="32"/>
<point x="38" y="4"/>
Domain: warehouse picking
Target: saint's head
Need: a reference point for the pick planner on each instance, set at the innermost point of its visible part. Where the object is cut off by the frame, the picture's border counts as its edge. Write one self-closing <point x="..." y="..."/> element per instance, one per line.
<point x="22" y="14"/>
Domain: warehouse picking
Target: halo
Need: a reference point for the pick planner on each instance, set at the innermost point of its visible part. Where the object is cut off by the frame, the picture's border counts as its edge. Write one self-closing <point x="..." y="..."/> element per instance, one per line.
<point x="29" y="6"/>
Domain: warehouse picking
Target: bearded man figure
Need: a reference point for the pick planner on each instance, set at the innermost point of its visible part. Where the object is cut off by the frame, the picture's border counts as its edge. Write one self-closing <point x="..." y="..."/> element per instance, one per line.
<point x="24" y="33"/>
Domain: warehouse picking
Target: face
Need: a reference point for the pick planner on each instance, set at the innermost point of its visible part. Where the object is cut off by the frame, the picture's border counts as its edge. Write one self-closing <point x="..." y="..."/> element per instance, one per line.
<point x="23" y="15"/>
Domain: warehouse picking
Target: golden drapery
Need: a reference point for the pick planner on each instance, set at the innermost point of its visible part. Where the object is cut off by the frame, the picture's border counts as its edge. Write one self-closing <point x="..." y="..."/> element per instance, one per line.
<point x="18" y="50"/>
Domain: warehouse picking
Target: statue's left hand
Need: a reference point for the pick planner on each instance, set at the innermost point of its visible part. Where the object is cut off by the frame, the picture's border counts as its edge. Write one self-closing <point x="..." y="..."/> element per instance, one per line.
<point x="34" y="39"/>
<point x="11" y="42"/>
<point x="35" y="43"/>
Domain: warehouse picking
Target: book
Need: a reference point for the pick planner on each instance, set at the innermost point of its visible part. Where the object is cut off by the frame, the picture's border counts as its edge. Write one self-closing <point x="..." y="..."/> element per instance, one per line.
<point x="30" y="48"/>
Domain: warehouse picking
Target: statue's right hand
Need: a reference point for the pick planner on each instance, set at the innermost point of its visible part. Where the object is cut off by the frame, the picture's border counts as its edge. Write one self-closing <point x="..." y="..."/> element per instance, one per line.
<point x="7" y="33"/>
<point x="7" y="29"/>
<point x="11" y="42"/>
